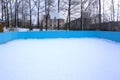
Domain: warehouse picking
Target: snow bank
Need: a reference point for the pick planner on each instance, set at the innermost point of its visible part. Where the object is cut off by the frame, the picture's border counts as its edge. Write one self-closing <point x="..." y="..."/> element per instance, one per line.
<point x="23" y="29"/>
<point x="60" y="59"/>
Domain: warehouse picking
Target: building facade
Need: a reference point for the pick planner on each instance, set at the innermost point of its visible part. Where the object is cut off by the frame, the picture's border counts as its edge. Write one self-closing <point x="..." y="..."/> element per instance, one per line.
<point x="52" y="23"/>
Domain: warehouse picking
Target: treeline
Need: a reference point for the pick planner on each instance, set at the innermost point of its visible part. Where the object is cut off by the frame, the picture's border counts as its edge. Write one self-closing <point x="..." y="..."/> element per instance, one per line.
<point x="29" y="13"/>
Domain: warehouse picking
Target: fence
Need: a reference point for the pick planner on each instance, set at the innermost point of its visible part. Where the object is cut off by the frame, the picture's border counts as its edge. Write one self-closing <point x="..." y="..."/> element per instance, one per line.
<point x="8" y="36"/>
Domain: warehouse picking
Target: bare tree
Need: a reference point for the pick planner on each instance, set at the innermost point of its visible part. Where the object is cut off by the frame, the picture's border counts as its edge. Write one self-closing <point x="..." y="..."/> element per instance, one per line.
<point x="15" y="13"/>
<point x="17" y="4"/>
<point x="59" y="14"/>
<point x="5" y="11"/>
<point x="81" y="20"/>
<point x="2" y="7"/>
<point x="69" y="14"/>
<point x="46" y="15"/>
<point x="103" y="10"/>
<point x="48" y="7"/>
<point x="99" y="13"/>
<point x="113" y="11"/>
<point x="30" y="9"/>
<point x="37" y="3"/>
<point x="38" y="17"/>
<point x="11" y="12"/>
<point x="118" y="10"/>
<point x="70" y="9"/>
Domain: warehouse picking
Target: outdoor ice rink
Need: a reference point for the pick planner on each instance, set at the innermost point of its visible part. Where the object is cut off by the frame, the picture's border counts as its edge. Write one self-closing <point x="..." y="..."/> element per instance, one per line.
<point x="60" y="59"/>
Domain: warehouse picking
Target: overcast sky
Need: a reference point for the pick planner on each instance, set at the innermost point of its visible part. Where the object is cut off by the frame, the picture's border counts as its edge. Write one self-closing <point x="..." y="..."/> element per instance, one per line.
<point x="107" y="10"/>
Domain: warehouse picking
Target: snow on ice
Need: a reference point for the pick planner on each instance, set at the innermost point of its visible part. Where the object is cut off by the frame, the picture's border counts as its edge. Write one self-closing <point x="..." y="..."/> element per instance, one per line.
<point x="60" y="59"/>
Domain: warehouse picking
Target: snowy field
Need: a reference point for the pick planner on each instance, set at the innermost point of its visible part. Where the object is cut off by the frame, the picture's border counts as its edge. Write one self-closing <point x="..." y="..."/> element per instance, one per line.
<point x="60" y="59"/>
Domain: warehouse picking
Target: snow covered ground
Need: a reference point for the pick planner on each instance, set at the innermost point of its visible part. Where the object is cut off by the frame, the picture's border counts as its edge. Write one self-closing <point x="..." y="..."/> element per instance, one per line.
<point x="23" y="29"/>
<point x="60" y="59"/>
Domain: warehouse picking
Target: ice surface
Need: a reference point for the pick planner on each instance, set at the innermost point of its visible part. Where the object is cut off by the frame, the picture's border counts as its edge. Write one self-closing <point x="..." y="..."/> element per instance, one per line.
<point x="60" y="59"/>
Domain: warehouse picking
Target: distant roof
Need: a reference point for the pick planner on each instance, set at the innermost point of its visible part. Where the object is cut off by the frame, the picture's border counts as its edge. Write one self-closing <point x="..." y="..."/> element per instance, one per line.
<point x="61" y="19"/>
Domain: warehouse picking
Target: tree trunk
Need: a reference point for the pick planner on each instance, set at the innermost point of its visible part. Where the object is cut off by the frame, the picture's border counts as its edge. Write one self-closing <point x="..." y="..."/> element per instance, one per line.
<point x="17" y="17"/>
<point x="118" y="10"/>
<point x="31" y="20"/>
<point x="2" y="4"/>
<point x="69" y="14"/>
<point x="46" y="14"/>
<point x="59" y="14"/>
<point x="30" y="28"/>
<point x="11" y="22"/>
<point x="81" y="20"/>
<point x="7" y="12"/>
<point x="113" y="10"/>
<point x="15" y="13"/>
<point x="38" y="20"/>
<point x="99" y="14"/>
<point x="23" y="14"/>
<point x="103" y="9"/>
